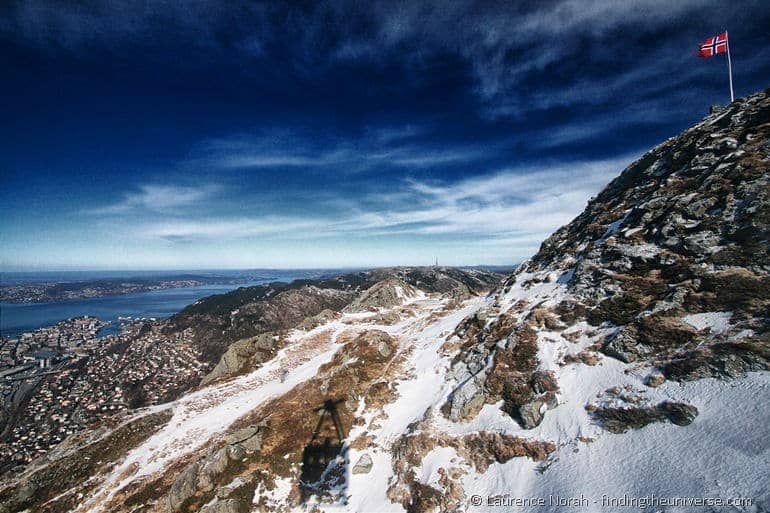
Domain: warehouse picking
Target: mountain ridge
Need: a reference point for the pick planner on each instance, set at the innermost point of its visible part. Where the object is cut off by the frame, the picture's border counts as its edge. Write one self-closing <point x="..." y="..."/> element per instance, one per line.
<point x="628" y="357"/>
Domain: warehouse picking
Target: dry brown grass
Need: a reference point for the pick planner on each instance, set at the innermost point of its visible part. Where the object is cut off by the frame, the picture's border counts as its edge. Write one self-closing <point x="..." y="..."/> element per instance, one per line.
<point x="542" y="317"/>
<point x="588" y="356"/>
<point x="477" y="450"/>
<point x="513" y="369"/>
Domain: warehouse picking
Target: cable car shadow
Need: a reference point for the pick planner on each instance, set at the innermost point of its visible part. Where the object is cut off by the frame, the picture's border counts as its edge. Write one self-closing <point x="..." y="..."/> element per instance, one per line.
<point x="324" y="459"/>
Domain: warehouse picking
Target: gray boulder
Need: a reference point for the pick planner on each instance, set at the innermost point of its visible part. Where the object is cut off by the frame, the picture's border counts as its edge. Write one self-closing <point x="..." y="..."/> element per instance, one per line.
<point x="623" y="345"/>
<point x="184" y="487"/>
<point x="203" y="475"/>
<point x="655" y="379"/>
<point x="364" y="464"/>
<point x="467" y="399"/>
<point x="243" y="354"/>
<point x="249" y="438"/>
<point x="531" y="414"/>
<point x="216" y="464"/>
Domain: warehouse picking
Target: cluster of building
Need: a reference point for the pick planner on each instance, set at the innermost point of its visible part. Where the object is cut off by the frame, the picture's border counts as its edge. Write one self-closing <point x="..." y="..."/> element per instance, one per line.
<point x="75" y="384"/>
<point x="46" y="346"/>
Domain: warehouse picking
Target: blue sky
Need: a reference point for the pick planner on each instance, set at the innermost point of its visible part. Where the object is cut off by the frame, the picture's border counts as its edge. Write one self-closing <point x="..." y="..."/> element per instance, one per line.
<point x="210" y="134"/>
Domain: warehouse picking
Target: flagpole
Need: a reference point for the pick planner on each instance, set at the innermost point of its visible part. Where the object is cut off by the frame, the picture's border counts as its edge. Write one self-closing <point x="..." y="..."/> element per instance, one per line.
<point x="729" y="67"/>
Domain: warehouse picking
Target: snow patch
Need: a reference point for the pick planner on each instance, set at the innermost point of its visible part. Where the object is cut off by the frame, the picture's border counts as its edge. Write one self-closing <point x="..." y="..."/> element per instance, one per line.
<point x="613" y="227"/>
<point x="438" y="458"/>
<point x="717" y="322"/>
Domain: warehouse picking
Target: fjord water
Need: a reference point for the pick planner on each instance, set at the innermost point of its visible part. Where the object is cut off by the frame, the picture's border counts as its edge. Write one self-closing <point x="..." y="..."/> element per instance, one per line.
<point x="19" y="318"/>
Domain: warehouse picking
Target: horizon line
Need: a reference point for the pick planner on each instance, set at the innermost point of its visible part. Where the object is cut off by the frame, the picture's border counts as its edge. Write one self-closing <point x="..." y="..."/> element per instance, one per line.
<point x="211" y="269"/>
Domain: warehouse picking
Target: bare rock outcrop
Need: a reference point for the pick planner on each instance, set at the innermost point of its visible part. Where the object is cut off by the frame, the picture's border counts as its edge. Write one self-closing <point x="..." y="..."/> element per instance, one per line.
<point x="363" y="465"/>
<point x="204" y="474"/>
<point x="726" y="360"/>
<point x="244" y="355"/>
<point x="387" y="293"/>
<point x="669" y="262"/>
<point x="621" y="419"/>
<point x="480" y="450"/>
<point x="498" y="360"/>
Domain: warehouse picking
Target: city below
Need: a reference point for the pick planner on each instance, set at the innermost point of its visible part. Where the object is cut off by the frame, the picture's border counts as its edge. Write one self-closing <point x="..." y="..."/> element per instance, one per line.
<point x="79" y="379"/>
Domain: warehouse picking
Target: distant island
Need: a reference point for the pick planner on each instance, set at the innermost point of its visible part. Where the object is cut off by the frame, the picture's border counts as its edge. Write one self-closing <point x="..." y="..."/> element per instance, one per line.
<point x="39" y="292"/>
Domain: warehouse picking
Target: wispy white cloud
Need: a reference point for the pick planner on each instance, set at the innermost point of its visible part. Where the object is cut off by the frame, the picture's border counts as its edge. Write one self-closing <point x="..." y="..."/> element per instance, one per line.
<point x="510" y="203"/>
<point x="511" y="209"/>
<point x="375" y="149"/>
<point x="226" y="229"/>
<point x="507" y="45"/>
<point x="159" y="198"/>
<point x="504" y="44"/>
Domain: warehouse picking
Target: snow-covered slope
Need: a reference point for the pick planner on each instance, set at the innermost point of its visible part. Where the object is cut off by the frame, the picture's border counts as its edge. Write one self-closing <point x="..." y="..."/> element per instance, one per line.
<point x="624" y="367"/>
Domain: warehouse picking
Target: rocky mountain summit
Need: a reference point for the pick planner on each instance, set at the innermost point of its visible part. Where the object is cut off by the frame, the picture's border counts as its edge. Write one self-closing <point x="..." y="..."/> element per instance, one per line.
<point x="670" y="260"/>
<point x="676" y="250"/>
<point x="627" y="358"/>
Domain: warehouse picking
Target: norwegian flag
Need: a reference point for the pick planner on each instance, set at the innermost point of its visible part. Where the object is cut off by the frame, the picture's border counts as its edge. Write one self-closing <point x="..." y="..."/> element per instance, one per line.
<point x="713" y="45"/>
